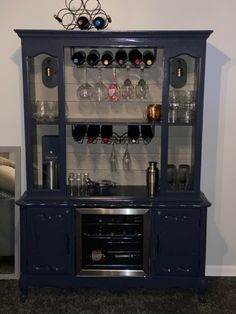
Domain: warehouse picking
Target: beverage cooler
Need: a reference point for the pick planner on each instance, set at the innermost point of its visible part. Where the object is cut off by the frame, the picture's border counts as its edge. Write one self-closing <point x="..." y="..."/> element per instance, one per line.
<point x="112" y="242"/>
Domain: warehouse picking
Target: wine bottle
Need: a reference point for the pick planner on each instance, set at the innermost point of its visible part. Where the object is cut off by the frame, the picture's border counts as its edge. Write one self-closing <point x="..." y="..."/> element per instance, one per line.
<point x="148" y="58"/>
<point x="135" y="57"/>
<point x="83" y="22"/>
<point x="99" y="22"/>
<point x="106" y="133"/>
<point x="92" y="133"/>
<point x="133" y="133"/>
<point x="121" y="57"/>
<point x="107" y="58"/>
<point x="93" y="57"/>
<point x="78" y="57"/>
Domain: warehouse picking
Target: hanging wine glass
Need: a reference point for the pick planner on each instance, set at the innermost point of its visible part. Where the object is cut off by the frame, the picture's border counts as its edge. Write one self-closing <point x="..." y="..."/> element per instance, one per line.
<point x="114" y="88"/>
<point x="85" y="90"/>
<point x="127" y="89"/>
<point x="100" y="89"/>
<point x="113" y="159"/>
<point x="126" y="159"/>
<point x="141" y="89"/>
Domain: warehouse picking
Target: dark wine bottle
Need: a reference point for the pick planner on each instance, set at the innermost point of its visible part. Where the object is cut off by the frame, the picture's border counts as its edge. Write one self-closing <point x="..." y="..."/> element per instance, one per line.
<point x="106" y="133"/>
<point x="78" y="57"/>
<point x="83" y="22"/>
<point x="121" y="57"/>
<point x="93" y="57"/>
<point x="148" y="57"/>
<point x="135" y="57"/>
<point x="92" y="133"/>
<point x="133" y="133"/>
<point x="107" y="58"/>
<point x="99" y="22"/>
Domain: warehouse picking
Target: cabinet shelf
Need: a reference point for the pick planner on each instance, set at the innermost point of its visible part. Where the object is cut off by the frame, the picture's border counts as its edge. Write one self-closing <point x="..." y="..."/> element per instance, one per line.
<point x="113" y="121"/>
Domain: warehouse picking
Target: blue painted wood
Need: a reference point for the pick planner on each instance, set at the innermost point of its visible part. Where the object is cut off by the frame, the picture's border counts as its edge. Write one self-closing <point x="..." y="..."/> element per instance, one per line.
<point x="178" y="224"/>
<point x="49" y="243"/>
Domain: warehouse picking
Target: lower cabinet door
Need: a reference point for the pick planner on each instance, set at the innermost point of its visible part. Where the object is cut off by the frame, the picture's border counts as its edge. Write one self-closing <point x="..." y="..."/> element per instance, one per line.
<point x="176" y="243"/>
<point x="48" y="240"/>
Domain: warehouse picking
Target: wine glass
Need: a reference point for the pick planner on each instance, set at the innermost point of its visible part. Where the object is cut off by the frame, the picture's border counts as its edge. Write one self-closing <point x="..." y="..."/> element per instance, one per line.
<point x="127" y="89"/>
<point x="53" y="110"/>
<point x="114" y="88"/>
<point x="100" y="89"/>
<point x="141" y="89"/>
<point x="113" y="158"/>
<point x="85" y="90"/>
<point x="126" y="159"/>
<point x="41" y="110"/>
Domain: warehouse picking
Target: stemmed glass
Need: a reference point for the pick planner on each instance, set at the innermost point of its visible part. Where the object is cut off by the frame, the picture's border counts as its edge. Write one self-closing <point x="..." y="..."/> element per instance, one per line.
<point x="41" y="110"/>
<point x="141" y="89"/>
<point x="113" y="158"/>
<point x="85" y="90"/>
<point x="127" y="89"/>
<point x="126" y="159"/>
<point x="100" y="89"/>
<point x="114" y="88"/>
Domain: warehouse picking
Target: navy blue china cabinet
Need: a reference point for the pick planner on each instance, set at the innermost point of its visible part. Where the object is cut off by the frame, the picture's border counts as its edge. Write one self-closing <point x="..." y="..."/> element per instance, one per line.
<point x="99" y="108"/>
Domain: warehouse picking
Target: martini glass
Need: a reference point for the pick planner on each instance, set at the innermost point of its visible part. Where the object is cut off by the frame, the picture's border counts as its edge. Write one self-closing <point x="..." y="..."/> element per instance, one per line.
<point x="100" y="89"/>
<point x="85" y="90"/>
<point x="141" y="89"/>
<point x="127" y="89"/>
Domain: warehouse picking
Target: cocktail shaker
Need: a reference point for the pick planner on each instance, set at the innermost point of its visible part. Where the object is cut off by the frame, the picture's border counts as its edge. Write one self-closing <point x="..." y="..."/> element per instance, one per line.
<point x="50" y="171"/>
<point x="152" y="177"/>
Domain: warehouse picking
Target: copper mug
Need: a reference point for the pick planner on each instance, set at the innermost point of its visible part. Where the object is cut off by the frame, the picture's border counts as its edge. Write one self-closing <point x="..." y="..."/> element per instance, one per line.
<point x="153" y="112"/>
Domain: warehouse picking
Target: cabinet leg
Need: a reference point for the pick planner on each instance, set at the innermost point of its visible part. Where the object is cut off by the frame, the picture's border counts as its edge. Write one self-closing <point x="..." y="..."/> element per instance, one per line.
<point x="202" y="291"/>
<point x="23" y="287"/>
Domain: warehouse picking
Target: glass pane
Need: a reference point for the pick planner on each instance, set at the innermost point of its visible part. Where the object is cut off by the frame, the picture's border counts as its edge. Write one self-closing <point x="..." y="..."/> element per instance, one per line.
<point x="107" y="106"/>
<point x="180" y="158"/>
<point x="45" y="130"/>
<point x="181" y="118"/>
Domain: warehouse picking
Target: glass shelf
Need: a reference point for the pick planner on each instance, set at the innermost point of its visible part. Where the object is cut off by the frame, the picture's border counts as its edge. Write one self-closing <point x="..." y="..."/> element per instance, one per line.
<point x="106" y="121"/>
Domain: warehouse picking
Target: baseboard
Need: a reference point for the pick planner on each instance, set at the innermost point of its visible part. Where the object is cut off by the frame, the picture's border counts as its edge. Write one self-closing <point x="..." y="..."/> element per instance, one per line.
<point x="224" y="271"/>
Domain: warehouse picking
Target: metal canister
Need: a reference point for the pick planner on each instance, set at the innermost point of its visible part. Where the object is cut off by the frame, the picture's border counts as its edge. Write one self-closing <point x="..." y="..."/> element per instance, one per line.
<point x="152" y="178"/>
<point x="50" y="171"/>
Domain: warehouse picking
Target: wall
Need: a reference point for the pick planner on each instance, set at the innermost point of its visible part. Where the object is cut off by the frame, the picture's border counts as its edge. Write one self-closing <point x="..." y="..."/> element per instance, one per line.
<point x="219" y="152"/>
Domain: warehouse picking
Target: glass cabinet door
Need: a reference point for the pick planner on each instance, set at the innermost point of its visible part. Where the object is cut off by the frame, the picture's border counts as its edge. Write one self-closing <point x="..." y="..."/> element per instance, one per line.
<point x="43" y="101"/>
<point x="116" y="107"/>
<point x="181" y="122"/>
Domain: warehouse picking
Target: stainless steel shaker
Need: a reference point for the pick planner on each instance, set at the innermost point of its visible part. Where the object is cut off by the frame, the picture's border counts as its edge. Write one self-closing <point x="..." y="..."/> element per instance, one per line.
<point x="152" y="178"/>
<point x="50" y="171"/>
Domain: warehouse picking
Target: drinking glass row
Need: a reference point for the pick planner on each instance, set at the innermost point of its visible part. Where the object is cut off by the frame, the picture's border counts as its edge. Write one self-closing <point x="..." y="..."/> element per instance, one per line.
<point x="113" y="92"/>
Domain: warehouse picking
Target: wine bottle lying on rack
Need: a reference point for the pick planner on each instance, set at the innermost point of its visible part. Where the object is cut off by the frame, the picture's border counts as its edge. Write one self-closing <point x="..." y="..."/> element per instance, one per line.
<point x="148" y="58"/>
<point x="78" y="58"/>
<point x="99" y="22"/>
<point x="93" y="57"/>
<point x="83" y="22"/>
<point x="121" y="57"/>
<point x="135" y="57"/>
<point x="107" y="58"/>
